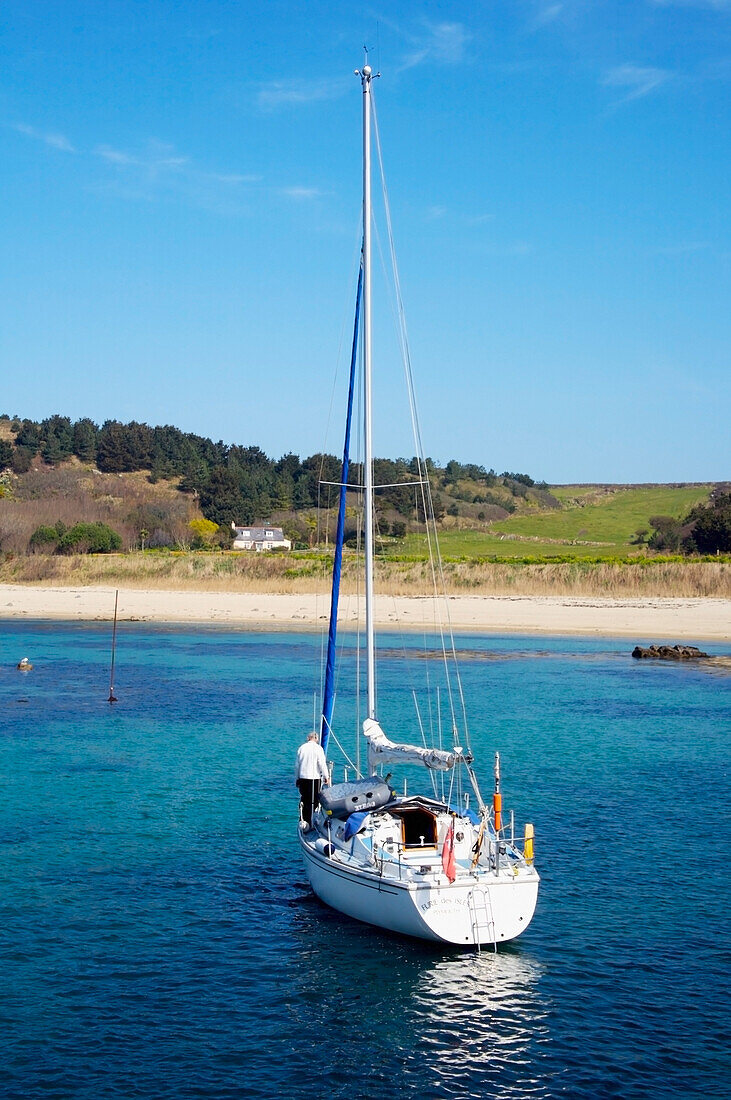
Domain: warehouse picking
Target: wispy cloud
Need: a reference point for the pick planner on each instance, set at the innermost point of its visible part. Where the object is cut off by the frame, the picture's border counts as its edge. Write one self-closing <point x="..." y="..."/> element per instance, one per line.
<point x="115" y="156"/>
<point x="301" y="194"/>
<point x="636" y="80"/>
<point x="53" y="140"/>
<point x="434" y="213"/>
<point x="157" y="159"/>
<point x="284" y="93"/>
<point x="233" y="178"/>
<point x="440" y="43"/>
<point x="158" y="169"/>
<point x="448" y="42"/>
<point x="547" y="13"/>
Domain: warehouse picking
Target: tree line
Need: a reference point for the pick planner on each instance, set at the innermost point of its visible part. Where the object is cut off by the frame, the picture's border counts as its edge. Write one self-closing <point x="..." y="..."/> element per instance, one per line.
<point x="231" y="481"/>
<point x="236" y="482"/>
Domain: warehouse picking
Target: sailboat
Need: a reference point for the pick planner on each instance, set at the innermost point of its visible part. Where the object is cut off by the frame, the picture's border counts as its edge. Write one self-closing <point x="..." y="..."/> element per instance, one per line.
<point x="443" y="866"/>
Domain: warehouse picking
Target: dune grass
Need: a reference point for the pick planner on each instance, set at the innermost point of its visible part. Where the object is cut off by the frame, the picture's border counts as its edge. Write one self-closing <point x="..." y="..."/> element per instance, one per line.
<point x="310" y="572"/>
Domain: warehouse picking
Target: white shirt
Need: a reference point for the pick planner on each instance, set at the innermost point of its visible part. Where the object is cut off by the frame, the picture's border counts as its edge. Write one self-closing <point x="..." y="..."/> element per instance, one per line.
<point x="311" y="763"/>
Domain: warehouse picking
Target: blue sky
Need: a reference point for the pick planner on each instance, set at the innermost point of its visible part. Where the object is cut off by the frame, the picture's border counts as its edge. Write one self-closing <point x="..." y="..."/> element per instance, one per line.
<point x="180" y="198"/>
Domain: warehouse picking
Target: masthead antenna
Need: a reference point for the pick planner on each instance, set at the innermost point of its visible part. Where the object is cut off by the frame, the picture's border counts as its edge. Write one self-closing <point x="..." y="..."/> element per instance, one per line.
<point x="366" y="71"/>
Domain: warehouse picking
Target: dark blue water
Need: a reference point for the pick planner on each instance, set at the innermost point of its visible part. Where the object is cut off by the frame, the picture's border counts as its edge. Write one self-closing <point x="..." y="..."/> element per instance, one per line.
<point x="158" y="939"/>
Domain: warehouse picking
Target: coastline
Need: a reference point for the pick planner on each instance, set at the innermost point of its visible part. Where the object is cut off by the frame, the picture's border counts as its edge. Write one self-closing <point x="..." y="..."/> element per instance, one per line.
<point x="659" y="619"/>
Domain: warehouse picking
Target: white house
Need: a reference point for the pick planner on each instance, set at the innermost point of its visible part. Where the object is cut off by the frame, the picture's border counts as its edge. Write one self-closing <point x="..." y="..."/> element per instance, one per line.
<point x="259" y="538"/>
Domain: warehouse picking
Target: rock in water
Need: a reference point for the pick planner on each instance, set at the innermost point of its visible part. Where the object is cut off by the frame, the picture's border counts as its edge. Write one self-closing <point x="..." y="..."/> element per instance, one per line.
<point x="669" y="652"/>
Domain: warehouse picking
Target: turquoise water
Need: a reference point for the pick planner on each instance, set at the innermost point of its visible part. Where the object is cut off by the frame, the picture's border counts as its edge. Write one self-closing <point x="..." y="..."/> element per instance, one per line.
<point x="158" y="939"/>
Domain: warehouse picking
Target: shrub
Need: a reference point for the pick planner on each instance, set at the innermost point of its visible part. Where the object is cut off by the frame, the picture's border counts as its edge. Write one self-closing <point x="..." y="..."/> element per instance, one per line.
<point x="89" y="538"/>
<point x="205" y="531"/>
<point x="667" y="533"/>
<point x="22" y="458"/>
<point x="522" y="479"/>
<point x="712" y="528"/>
<point x="46" y="536"/>
<point x="43" y="537"/>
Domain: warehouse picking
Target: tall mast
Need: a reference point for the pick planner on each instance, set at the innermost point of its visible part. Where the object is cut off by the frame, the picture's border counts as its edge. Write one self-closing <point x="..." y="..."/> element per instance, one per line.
<point x="366" y="75"/>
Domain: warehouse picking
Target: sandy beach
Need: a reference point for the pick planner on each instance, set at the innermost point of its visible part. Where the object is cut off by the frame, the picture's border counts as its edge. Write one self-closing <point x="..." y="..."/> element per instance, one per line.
<point x="643" y="619"/>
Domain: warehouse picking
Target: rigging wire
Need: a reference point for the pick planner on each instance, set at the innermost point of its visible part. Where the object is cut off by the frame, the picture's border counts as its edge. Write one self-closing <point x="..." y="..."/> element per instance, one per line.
<point x="423" y="741"/>
<point x="387" y="272"/>
<point x="436" y="564"/>
<point x="423" y="495"/>
<point x="341" y="748"/>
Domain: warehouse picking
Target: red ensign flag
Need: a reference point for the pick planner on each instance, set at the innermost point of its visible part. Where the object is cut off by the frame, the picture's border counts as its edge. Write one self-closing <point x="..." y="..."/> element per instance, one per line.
<point x="449" y="863"/>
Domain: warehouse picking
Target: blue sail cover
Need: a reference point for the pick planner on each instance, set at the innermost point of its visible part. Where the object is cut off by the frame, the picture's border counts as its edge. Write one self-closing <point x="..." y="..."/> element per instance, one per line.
<point x="355" y="823"/>
<point x="328" y="699"/>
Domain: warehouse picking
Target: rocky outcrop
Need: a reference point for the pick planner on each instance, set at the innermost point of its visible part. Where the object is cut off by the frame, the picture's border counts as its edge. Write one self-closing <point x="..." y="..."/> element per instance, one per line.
<point x="669" y="652"/>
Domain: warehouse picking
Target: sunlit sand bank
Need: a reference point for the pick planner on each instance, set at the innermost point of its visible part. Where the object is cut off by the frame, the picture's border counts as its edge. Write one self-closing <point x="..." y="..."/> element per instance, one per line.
<point x="658" y="619"/>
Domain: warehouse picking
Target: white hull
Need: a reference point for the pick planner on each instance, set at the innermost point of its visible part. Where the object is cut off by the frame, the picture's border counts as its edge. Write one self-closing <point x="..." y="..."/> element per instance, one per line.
<point x="475" y="909"/>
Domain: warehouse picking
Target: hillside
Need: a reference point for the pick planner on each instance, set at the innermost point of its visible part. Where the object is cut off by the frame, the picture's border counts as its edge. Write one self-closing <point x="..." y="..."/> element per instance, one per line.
<point x="609" y="514"/>
<point x="77" y="493"/>
<point x="589" y="522"/>
<point x="581" y="522"/>
<point x="234" y="482"/>
<point x="151" y="484"/>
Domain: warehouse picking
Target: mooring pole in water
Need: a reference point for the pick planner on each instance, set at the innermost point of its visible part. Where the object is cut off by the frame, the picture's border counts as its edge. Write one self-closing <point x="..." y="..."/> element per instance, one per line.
<point x="112" y="696"/>
<point x="497" y="812"/>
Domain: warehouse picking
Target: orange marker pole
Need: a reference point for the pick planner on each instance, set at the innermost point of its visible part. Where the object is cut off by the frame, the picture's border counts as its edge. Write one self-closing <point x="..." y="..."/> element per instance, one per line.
<point x="497" y="798"/>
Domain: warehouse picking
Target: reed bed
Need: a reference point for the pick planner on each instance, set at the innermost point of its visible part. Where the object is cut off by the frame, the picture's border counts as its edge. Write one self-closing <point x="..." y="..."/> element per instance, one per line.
<point x="226" y="572"/>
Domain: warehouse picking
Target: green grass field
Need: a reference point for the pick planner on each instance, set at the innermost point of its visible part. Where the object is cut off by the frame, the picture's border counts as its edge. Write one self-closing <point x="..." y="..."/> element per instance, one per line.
<point x="594" y="523"/>
<point x="611" y="516"/>
<point x="479" y="544"/>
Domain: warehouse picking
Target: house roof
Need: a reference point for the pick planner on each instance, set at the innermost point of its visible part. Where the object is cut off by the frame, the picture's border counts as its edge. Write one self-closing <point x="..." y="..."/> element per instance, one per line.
<point x="257" y="534"/>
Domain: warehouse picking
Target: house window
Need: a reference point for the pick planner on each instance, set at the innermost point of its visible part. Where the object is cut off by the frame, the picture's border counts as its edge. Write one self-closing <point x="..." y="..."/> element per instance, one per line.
<point x="270" y="534"/>
<point x="246" y="534"/>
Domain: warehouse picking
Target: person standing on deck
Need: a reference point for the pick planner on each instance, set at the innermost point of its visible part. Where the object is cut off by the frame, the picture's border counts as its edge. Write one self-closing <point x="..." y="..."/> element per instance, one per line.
<point x="310" y="772"/>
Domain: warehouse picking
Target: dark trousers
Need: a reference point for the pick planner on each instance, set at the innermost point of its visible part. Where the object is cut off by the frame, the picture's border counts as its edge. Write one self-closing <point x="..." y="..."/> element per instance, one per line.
<point x="309" y="797"/>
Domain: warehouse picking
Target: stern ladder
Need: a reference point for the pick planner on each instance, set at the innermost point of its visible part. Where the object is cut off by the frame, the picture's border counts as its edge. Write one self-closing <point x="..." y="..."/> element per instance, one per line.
<point x="483" y="920"/>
